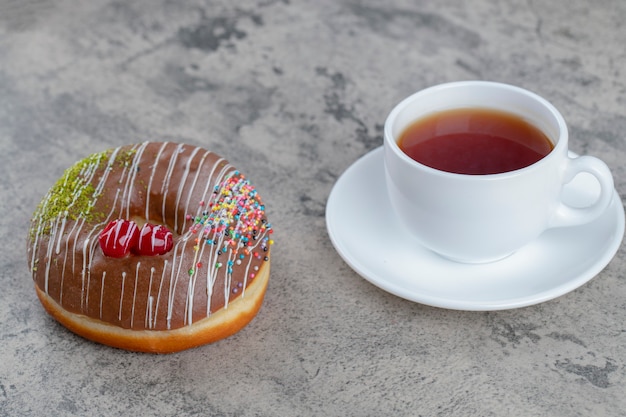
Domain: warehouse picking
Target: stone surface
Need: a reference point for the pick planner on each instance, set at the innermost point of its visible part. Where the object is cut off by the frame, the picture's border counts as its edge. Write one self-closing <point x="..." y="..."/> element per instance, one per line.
<point x="293" y="92"/>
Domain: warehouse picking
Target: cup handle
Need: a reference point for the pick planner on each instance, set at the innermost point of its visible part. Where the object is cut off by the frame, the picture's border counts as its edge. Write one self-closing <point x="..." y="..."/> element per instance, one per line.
<point x="567" y="215"/>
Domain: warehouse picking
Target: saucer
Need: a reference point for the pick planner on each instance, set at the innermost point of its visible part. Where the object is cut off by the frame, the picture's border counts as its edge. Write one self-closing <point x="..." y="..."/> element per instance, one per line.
<point x="368" y="237"/>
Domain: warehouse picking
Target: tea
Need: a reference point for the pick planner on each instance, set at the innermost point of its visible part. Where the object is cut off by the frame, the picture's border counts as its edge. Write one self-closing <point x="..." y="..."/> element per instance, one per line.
<point x="474" y="141"/>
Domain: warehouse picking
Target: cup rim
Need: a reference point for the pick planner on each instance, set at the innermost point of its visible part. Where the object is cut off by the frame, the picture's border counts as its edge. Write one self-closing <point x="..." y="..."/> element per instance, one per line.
<point x="559" y="146"/>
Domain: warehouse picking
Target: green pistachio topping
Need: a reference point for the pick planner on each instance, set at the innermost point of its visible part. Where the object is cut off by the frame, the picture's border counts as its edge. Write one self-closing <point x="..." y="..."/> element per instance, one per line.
<point x="73" y="196"/>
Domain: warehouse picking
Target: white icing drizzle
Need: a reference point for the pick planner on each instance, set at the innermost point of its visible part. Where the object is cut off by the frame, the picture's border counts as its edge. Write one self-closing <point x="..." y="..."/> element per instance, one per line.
<point x="210" y="278"/>
<point x="193" y="185"/>
<point x="175" y="273"/>
<point x="155" y="164"/>
<point x="134" y="169"/>
<point x="149" y="307"/>
<point x="60" y="233"/>
<point x="132" y="311"/>
<point x="149" y="304"/>
<point x="104" y="274"/>
<point x="119" y="317"/>
<point x="183" y="181"/>
<point x="84" y="272"/>
<point x="227" y="281"/>
<point x="38" y="232"/>
<point x="49" y="255"/>
<point x="67" y="251"/>
<point x="156" y="309"/>
<point x="166" y="183"/>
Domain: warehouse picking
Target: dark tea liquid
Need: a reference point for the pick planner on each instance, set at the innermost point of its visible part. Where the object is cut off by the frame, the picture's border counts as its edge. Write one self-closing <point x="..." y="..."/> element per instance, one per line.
<point x="474" y="141"/>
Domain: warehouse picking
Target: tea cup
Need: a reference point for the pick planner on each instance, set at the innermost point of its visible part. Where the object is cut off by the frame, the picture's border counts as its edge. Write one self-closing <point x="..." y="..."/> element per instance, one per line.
<point x="484" y="218"/>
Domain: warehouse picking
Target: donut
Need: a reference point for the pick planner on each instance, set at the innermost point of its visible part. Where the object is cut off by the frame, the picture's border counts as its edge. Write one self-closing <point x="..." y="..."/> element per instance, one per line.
<point x="151" y="247"/>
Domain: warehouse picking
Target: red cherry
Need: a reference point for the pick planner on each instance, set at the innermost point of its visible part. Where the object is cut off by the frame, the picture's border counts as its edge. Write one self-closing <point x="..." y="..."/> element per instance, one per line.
<point x="153" y="240"/>
<point x="118" y="237"/>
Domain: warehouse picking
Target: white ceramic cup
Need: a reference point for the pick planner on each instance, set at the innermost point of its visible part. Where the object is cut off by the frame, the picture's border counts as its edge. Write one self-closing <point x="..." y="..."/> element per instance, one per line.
<point x="483" y="218"/>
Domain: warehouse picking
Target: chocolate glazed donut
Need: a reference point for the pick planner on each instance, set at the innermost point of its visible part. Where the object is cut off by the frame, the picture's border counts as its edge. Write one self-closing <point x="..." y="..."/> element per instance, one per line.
<point x="204" y="266"/>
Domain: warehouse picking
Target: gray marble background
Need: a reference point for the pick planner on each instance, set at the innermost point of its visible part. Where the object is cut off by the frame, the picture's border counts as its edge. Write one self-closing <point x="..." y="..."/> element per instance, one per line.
<point x="293" y="92"/>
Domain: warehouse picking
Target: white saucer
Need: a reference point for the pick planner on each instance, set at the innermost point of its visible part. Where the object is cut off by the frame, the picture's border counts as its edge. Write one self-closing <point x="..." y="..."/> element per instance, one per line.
<point x="372" y="242"/>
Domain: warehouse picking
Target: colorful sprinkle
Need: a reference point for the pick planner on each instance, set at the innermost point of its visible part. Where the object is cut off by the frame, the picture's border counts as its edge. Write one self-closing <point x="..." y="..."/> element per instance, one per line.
<point x="233" y="224"/>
